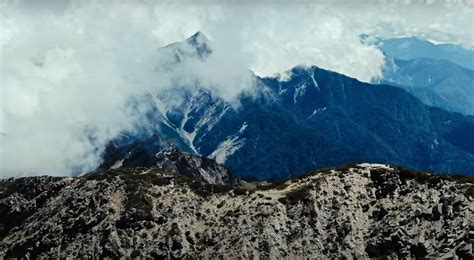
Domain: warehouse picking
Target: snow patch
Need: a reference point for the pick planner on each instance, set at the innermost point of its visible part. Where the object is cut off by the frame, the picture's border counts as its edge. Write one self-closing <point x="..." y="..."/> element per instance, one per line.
<point x="210" y="113"/>
<point x="117" y="164"/>
<point x="189" y="137"/>
<point x="435" y="143"/>
<point x="229" y="146"/>
<point x="315" y="83"/>
<point x="368" y="166"/>
<point x="226" y="149"/>
<point x="300" y="91"/>
<point x="243" y="127"/>
<point x="161" y="111"/>
<point x="316" y="111"/>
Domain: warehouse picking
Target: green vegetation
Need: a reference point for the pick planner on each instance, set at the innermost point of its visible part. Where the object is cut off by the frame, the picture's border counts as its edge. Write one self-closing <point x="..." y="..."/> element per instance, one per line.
<point x="470" y="191"/>
<point x="464" y="179"/>
<point x="175" y="231"/>
<point x="139" y="179"/>
<point x="433" y="179"/>
<point x="461" y="178"/>
<point x="302" y="176"/>
<point x="135" y="254"/>
<point x="241" y="191"/>
<point x="296" y="195"/>
<point x="341" y="169"/>
<point x="205" y="189"/>
<point x="405" y="174"/>
<point x="278" y="185"/>
<point x="6" y="188"/>
<point x="346" y="167"/>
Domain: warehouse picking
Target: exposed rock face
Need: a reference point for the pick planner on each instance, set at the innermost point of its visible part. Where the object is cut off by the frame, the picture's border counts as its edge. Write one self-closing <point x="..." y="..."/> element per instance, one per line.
<point x="156" y="152"/>
<point x="359" y="211"/>
<point x="175" y="161"/>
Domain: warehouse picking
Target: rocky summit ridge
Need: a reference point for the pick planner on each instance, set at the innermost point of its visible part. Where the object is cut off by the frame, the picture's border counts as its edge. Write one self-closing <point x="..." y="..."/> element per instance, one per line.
<point x="357" y="211"/>
<point x="158" y="153"/>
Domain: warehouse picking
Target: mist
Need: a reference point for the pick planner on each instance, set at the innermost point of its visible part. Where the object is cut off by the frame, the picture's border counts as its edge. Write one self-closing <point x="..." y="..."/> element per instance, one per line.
<point x="69" y="69"/>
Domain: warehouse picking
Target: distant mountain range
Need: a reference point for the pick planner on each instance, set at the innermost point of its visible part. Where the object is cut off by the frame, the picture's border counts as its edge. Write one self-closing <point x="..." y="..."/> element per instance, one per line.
<point x="315" y="119"/>
<point x="439" y="75"/>
<point x="437" y="83"/>
<point x="409" y="48"/>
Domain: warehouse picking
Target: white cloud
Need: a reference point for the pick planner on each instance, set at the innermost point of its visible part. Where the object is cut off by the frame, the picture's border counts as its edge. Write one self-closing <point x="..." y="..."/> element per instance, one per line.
<point x="68" y="69"/>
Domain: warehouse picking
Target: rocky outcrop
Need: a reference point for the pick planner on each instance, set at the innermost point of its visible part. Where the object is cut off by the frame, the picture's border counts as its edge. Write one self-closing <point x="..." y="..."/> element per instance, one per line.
<point x="158" y="153"/>
<point x="201" y="168"/>
<point x="358" y="211"/>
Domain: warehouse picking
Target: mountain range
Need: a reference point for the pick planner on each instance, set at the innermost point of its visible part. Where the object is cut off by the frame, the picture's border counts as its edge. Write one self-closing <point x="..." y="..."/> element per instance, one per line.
<point x="204" y="177"/>
<point x="439" y="75"/>
<point x="410" y="48"/>
<point x="314" y="119"/>
<point x="436" y="83"/>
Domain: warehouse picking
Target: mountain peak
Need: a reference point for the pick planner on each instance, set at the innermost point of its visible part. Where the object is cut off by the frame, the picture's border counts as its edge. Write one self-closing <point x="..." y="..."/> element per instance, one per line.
<point x="198" y="37"/>
<point x="201" y="43"/>
<point x="195" y="46"/>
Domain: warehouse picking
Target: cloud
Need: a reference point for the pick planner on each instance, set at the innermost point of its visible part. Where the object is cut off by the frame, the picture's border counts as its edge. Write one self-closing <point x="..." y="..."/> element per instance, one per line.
<point x="66" y="80"/>
<point x="69" y="69"/>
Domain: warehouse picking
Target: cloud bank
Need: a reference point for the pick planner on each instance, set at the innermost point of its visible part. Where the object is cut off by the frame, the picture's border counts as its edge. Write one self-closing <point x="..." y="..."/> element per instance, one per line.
<point x="68" y="69"/>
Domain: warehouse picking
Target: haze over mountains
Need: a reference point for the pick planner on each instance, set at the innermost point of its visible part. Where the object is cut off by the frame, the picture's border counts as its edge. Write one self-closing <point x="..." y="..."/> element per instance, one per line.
<point x="314" y="119"/>
<point x="71" y="70"/>
<point x="440" y="75"/>
<point x="409" y="48"/>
